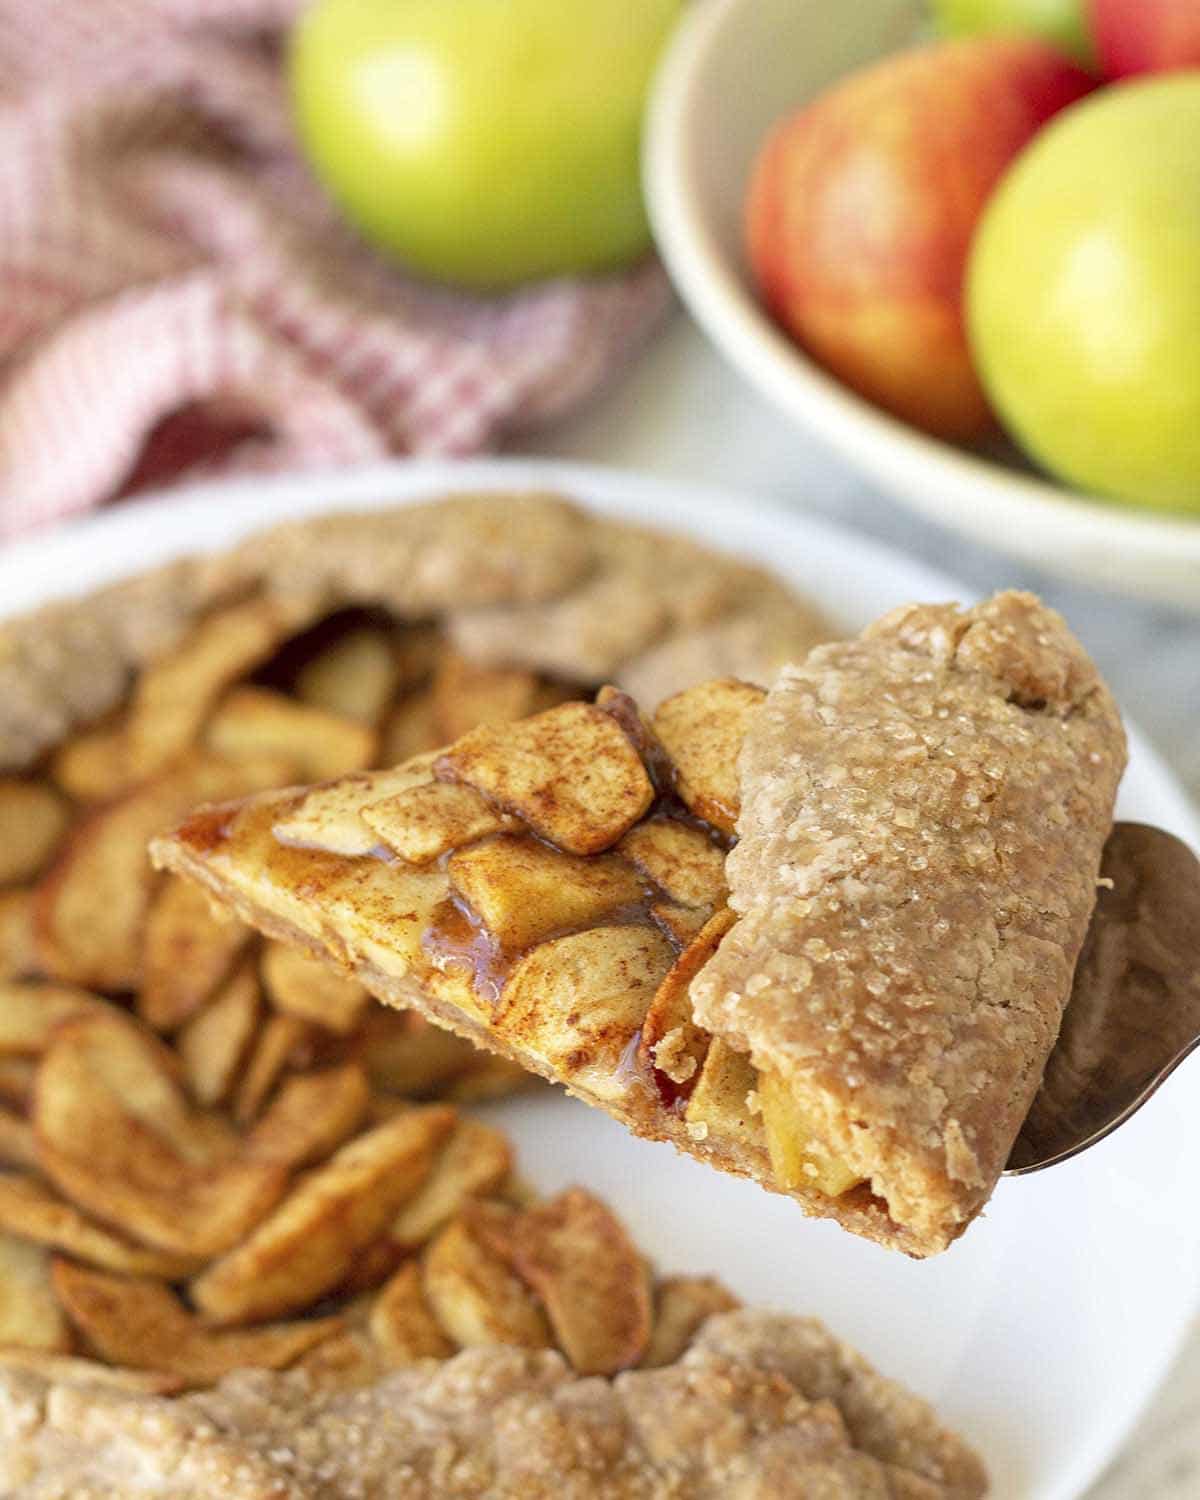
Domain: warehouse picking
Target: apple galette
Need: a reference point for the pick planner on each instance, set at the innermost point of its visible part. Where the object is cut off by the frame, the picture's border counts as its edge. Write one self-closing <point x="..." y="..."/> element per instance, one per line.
<point x="241" y="1207"/>
<point x="822" y="936"/>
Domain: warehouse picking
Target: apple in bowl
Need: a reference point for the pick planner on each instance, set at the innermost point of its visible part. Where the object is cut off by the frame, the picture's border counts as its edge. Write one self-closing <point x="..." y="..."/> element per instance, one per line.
<point x="863" y="205"/>
<point x="1083" y="295"/>
<point x="1146" y="36"/>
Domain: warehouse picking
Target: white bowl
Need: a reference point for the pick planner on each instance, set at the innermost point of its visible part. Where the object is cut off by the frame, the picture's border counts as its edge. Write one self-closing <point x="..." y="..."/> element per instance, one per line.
<point x="733" y="69"/>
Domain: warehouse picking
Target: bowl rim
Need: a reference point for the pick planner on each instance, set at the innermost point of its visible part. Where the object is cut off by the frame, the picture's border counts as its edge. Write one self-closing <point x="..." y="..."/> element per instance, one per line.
<point x="873" y="439"/>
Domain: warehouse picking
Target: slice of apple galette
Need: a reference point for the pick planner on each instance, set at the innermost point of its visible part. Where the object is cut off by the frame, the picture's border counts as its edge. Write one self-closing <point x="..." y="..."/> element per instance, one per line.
<point x="821" y="936"/>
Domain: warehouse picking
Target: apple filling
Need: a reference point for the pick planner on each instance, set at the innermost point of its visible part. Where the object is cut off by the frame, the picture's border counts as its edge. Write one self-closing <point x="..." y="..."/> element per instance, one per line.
<point x="720" y="1092"/>
<point x="554" y="886"/>
<point x="733" y="1100"/>
<point x="583" y="853"/>
<point x="798" y="1155"/>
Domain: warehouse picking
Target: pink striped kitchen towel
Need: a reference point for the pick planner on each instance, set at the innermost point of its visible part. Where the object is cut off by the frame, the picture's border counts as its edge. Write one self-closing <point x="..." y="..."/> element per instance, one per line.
<point x="177" y="296"/>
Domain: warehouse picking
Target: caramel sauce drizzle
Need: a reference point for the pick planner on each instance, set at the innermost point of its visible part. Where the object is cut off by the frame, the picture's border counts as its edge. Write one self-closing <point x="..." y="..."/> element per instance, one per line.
<point x="208" y="829"/>
<point x="456" y="938"/>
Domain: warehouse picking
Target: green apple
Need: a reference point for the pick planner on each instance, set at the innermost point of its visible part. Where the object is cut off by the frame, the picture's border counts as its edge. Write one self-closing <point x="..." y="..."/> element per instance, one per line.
<point x="1059" y="21"/>
<point x="1083" y="294"/>
<point x="484" y="142"/>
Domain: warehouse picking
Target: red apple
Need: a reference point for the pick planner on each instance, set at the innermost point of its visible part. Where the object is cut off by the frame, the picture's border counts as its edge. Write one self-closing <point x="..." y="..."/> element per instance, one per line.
<point x="1146" y="36"/>
<point x="863" y="205"/>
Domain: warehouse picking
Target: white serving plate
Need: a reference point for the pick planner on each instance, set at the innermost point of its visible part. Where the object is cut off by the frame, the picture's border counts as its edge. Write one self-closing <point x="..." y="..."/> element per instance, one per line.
<point x="1044" y="1331"/>
<point x="733" y="69"/>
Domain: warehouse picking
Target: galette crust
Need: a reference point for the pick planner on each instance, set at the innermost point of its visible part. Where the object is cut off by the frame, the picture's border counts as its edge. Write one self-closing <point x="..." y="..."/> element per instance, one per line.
<point x="761" y="1406"/>
<point x="924" y="811"/>
<point x="529" y="580"/>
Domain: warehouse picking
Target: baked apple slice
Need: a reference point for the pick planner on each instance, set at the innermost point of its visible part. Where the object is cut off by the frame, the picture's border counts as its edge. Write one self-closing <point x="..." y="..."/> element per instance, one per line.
<point x="821" y="936"/>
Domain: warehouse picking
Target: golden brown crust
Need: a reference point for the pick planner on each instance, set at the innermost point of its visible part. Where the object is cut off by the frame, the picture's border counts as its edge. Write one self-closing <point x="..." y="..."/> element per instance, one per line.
<point x="761" y="1406"/>
<point x="751" y="646"/>
<point x="633" y="615"/>
<point x="498" y="568"/>
<point x="923" y="815"/>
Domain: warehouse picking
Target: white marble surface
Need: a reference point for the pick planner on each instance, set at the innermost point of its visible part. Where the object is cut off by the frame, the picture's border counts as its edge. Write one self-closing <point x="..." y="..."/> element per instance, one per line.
<point x="683" y="413"/>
